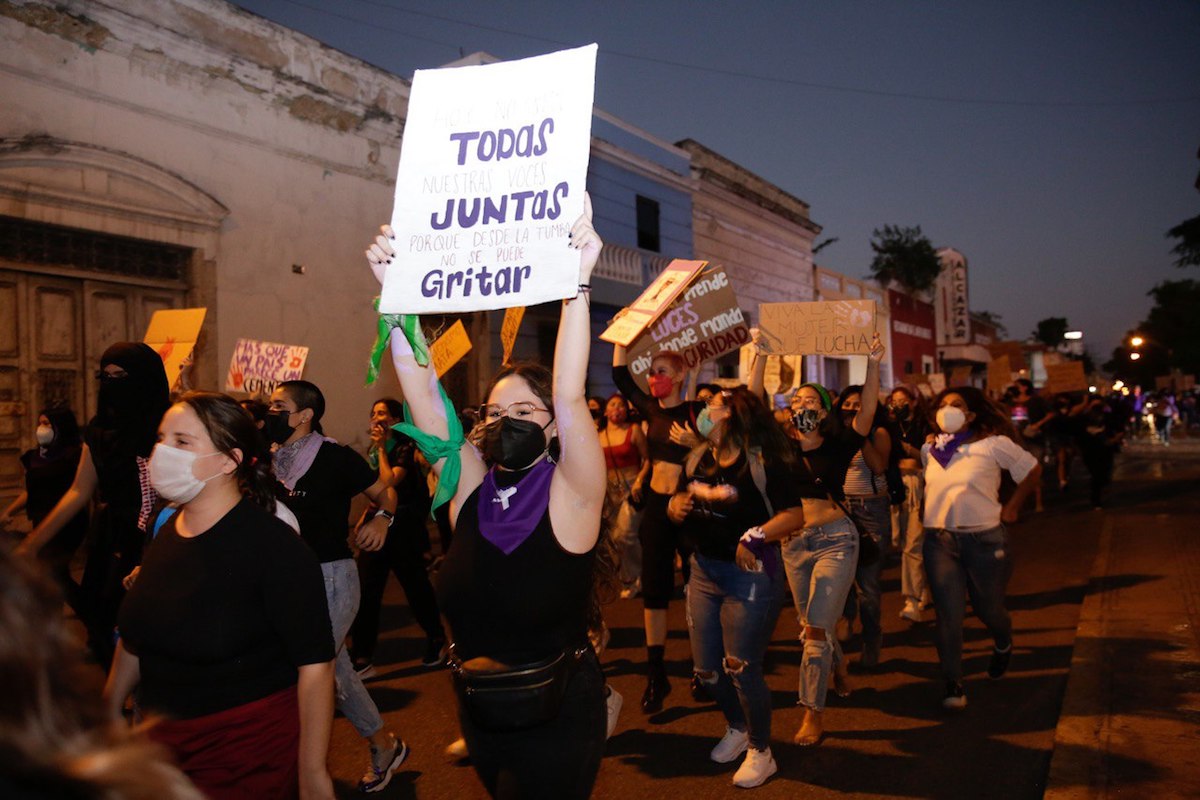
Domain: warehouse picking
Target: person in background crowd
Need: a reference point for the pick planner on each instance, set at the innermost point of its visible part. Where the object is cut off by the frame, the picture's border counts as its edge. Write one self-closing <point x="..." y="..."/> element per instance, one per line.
<point x="403" y="552"/>
<point x="225" y="632"/>
<point x="820" y="560"/>
<point x="910" y="421"/>
<point x="627" y="463"/>
<point x="670" y="434"/>
<point x="113" y="468"/>
<point x="1027" y="411"/>
<point x="596" y="409"/>
<point x="705" y="391"/>
<point x="1098" y="434"/>
<point x="1059" y="443"/>
<point x="1165" y="415"/>
<point x="49" y="472"/>
<point x="55" y="739"/>
<point x="527" y="569"/>
<point x="866" y="494"/>
<point x="966" y="543"/>
<point x="318" y="478"/>
<point x="736" y="501"/>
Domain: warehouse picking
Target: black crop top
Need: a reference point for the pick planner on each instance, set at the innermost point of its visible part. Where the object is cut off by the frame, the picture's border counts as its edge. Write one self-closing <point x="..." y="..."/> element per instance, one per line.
<point x="715" y="528"/>
<point x="516" y="608"/>
<point x="821" y="472"/>
<point x="658" y="419"/>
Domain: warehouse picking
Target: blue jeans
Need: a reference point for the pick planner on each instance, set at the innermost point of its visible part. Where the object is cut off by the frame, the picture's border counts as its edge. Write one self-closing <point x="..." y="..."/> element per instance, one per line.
<point x="342" y="593"/>
<point x="731" y="614"/>
<point x="976" y="563"/>
<point x="820" y="565"/>
<point x="873" y="518"/>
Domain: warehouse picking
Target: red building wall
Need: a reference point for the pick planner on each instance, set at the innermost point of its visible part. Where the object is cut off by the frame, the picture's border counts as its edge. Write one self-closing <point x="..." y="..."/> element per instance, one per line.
<point x="912" y="334"/>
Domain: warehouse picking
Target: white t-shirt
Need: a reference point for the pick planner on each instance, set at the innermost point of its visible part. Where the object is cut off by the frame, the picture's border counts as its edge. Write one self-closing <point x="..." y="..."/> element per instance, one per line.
<point x="965" y="494"/>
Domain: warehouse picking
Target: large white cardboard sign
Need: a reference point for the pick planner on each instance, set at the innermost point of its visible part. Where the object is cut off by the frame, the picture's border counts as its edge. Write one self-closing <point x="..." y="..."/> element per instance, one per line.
<point x="492" y="173"/>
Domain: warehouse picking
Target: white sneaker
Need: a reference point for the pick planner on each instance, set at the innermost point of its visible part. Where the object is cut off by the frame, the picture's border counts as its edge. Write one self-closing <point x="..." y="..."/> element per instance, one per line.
<point x="457" y="748"/>
<point x="613" y="702"/>
<point x="911" y="611"/>
<point x="754" y="771"/>
<point x="732" y="745"/>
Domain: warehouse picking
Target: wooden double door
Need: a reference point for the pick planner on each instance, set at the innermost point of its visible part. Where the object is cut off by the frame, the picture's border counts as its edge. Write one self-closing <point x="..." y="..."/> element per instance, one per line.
<point x="53" y="330"/>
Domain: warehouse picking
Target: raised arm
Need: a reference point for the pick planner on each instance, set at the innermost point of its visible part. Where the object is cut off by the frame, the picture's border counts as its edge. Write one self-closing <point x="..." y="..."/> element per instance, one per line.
<point x="421" y="388"/>
<point x="865" y="417"/>
<point x="70" y="504"/>
<point x="578" y="486"/>
<point x="758" y="364"/>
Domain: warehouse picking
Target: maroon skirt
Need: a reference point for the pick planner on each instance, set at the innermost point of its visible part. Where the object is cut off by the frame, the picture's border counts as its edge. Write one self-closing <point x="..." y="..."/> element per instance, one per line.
<point x="249" y="752"/>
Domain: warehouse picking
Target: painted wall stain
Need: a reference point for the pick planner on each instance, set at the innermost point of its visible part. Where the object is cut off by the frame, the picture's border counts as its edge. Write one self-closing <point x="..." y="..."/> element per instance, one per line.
<point x="77" y="28"/>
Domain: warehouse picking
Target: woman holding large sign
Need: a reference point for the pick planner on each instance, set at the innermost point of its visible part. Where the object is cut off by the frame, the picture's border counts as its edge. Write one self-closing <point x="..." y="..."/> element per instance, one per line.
<point x="519" y="582"/>
<point x="821" y="558"/>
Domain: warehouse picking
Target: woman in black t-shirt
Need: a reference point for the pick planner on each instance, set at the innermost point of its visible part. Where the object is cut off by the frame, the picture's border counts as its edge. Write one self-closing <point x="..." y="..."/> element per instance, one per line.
<point x="517" y="586"/>
<point x="821" y="559"/>
<point x="736" y="502"/>
<point x="225" y="632"/>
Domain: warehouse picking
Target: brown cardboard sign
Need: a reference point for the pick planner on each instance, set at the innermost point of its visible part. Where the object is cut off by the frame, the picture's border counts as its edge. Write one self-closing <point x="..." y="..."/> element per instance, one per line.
<point x="705" y="322"/>
<point x="830" y="327"/>
<point x="1065" y="377"/>
<point x="999" y="376"/>
<point x="960" y="376"/>
<point x="653" y="302"/>
<point x="1015" y="352"/>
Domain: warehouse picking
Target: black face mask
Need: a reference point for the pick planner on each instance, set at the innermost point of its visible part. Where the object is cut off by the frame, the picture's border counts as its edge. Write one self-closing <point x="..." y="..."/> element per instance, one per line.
<point x="119" y="396"/>
<point x="900" y="413"/>
<point x="595" y="413"/>
<point x="848" y="417"/>
<point x="806" y="420"/>
<point x="276" y="427"/>
<point x="514" y="443"/>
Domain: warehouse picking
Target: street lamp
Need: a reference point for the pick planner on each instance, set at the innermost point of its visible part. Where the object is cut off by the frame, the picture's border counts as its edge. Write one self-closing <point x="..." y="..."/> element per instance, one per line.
<point x="1134" y="356"/>
<point x="1137" y="341"/>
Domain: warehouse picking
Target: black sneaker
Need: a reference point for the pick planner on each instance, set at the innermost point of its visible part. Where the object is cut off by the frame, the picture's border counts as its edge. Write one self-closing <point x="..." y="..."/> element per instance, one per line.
<point x="435" y="653"/>
<point x="956" y="698"/>
<point x="383" y="764"/>
<point x="998" y="665"/>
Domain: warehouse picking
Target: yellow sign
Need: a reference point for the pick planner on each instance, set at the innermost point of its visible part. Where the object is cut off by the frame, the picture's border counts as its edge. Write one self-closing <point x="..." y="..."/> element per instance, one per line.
<point x="509" y="328"/>
<point x="449" y="348"/>
<point x="831" y="327"/>
<point x="172" y="334"/>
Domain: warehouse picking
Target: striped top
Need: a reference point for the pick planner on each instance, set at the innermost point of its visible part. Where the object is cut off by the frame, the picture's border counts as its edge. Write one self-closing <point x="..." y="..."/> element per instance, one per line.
<point x="861" y="481"/>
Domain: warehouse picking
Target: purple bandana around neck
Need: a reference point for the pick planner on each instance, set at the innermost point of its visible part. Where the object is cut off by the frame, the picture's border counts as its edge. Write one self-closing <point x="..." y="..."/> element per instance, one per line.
<point x="945" y="445"/>
<point x="507" y="516"/>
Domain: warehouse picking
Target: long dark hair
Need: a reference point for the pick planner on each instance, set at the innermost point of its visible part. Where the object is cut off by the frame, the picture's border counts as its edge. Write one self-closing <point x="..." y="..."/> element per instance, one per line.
<point x="878" y="420"/>
<point x="751" y="425"/>
<point x="604" y="566"/>
<point x="990" y="419"/>
<point x="305" y="394"/>
<point x="231" y="428"/>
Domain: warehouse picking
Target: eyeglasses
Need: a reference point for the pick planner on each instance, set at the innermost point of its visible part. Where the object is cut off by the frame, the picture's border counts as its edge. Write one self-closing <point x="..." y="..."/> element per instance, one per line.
<point x="519" y="410"/>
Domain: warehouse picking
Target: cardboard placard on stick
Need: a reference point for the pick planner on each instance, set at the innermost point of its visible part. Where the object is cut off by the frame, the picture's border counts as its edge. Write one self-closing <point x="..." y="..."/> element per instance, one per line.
<point x="960" y="376"/>
<point x="1014" y="350"/>
<point x="491" y="179"/>
<point x="258" y="367"/>
<point x="999" y="376"/>
<point x="830" y="327"/>
<point x="449" y="348"/>
<point x="653" y="302"/>
<point x="509" y="328"/>
<point x="172" y="334"/>
<point x="705" y="322"/>
<point x="1065" y="377"/>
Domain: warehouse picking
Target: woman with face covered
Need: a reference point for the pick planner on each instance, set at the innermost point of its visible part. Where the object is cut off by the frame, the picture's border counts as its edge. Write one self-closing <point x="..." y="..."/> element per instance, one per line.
<point x="670" y="424"/>
<point x="735" y="502"/>
<point x="49" y="472"/>
<point x="966" y="543"/>
<point x="821" y="558"/>
<point x="518" y="586"/>
<point x="113" y="467"/>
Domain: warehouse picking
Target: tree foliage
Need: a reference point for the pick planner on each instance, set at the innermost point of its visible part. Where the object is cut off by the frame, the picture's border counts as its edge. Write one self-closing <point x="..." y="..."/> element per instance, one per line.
<point x="1187" y="251"/>
<point x="905" y="256"/>
<point x="1052" y="331"/>
<point x="1171" y="334"/>
<point x="992" y="318"/>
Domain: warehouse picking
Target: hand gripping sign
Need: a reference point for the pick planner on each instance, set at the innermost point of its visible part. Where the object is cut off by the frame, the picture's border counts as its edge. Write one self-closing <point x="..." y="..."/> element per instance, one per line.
<point x="492" y="175"/>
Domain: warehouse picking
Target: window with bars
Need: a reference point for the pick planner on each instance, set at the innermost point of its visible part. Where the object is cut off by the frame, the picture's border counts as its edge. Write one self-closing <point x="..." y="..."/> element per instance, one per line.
<point x="54" y="245"/>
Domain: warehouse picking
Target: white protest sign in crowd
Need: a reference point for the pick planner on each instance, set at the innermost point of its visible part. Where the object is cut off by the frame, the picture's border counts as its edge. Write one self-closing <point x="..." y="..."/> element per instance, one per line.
<point x="258" y="367"/>
<point x="492" y="174"/>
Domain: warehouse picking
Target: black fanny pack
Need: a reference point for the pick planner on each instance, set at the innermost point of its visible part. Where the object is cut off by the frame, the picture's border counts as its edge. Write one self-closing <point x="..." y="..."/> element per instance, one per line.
<point x="522" y="697"/>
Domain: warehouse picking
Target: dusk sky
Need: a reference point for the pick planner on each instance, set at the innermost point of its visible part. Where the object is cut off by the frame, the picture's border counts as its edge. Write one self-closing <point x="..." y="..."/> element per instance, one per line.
<point x="1053" y="144"/>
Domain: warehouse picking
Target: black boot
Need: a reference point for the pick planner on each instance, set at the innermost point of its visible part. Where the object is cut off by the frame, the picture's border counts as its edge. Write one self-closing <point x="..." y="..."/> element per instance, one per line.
<point x="657" y="685"/>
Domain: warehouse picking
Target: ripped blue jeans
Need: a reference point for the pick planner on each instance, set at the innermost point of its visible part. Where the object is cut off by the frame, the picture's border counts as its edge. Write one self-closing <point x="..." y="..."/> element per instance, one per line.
<point x="820" y="564"/>
<point x="731" y="614"/>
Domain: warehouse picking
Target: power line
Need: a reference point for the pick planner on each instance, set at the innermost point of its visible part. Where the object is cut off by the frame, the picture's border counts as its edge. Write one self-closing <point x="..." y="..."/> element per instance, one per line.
<point x="830" y="87"/>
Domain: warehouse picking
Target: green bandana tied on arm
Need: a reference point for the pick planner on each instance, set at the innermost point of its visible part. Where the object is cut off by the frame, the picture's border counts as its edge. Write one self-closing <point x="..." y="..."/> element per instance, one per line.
<point x="410" y="324"/>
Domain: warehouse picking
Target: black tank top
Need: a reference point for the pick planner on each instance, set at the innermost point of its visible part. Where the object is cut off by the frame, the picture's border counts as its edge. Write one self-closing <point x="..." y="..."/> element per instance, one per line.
<point x="516" y="608"/>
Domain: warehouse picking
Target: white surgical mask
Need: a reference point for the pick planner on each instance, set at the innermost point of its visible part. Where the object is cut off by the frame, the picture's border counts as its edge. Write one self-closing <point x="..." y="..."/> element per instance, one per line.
<point x="171" y="473"/>
<point x="951" y="419"/>
<point x="45" y="435"/>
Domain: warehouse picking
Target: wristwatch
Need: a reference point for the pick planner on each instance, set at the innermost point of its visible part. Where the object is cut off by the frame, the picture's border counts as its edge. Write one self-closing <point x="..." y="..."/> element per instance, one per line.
<point x="389" y="516"/>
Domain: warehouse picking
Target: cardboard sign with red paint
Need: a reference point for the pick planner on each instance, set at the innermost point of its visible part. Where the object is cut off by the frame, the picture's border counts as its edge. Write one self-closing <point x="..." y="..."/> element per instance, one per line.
<point x="653" y="302"/>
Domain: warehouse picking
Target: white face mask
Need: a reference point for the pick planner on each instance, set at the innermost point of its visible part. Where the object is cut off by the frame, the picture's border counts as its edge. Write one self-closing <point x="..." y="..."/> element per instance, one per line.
<point x="171" y="473"/>
<point x="45" y="435"/>
<point x="951" y="419"/>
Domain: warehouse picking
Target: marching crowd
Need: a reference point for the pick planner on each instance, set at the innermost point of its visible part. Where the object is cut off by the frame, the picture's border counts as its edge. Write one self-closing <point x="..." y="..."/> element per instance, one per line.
<point x="230" y="639"/>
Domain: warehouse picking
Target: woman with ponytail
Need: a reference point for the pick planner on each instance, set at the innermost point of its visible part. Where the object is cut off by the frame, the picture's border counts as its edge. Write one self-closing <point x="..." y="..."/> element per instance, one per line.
<point x="225" y="634"/>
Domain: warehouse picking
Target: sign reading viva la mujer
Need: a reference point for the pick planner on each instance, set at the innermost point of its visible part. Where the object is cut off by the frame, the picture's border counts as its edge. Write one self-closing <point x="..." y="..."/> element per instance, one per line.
<point x="492" y="175"/>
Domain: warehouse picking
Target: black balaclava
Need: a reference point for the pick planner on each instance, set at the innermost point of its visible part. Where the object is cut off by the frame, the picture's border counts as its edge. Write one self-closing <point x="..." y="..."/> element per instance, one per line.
<point x="130" y="408"/>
